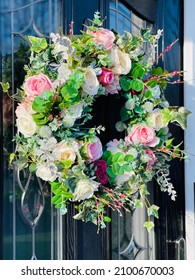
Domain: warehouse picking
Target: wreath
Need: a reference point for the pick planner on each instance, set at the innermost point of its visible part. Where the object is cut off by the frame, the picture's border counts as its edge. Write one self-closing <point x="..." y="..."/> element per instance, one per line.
<point x="63" y="80"/>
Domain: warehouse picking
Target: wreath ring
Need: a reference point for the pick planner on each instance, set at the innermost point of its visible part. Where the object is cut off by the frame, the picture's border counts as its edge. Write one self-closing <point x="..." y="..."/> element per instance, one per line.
<point x="55" y="101"/>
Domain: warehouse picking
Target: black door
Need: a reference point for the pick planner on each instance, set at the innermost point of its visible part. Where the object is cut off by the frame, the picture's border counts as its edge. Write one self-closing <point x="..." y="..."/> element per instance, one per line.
<point x="123" y="240"/>
<point x="62" y="237"/>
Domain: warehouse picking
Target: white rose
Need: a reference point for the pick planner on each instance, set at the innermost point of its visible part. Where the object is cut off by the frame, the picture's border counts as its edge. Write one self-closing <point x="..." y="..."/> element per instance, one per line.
<point x="155" y="120"/>
<point x="63" y="73"/>
<point x="85" y="189"/>
<point x="76" y="110"/>
<point x="26" y="125"/>
<point x="48" y="144"/>
<point x="120" y="62"/>
<point x="72" y="114"/>
<point x="62" y="151"/>
<point x="122" y="179"/>
<point x="47" y="172"/>
<point x="68" y="121"/>
<point x="112" y="146"/>
<point x="91" y="84"/>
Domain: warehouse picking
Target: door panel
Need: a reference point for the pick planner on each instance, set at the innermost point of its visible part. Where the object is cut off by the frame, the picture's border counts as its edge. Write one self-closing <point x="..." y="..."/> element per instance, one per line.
<point x="170" y="225"/>
<point x="58" y="237"/>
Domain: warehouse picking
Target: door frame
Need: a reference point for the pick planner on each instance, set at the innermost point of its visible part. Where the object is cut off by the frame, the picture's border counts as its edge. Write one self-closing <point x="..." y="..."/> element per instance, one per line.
<point x="189" y="103"/>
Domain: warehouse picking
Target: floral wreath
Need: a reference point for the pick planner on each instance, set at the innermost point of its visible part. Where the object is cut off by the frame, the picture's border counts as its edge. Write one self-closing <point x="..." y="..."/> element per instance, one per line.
<point x="63" y="80"/>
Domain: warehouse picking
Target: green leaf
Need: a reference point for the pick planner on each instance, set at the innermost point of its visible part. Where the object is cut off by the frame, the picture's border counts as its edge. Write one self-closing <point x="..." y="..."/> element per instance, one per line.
<point x="11" y="158"/>
<point x="110" y="172"/>
<point x="148" y="94"/>
<point x="5" y="86"/>
<point x="125" y="83"/>
<point x="127" y="168"/>
<point x="47" y="95"/>
<point x="57" y="199"/>
<point x="157" y="71"/>
<point x="166" y="116"/>
<point x="118" y="157"/>
<point x="137" y="85"/>
<point x="169" y="142"/>
<point x="124" y="114"/>
<point x="32" y="167"/>
<point x="40" y="121"/>
<point x="137" y="71"/>
<point x="107" y="219"/>
<point x="39" y="105"/>
<point x="180" y="117"/>
<point x="70" y="94"/>
<point x="149" y="225"/>
<point x="55" y="186"/>
<point x="153" y="211"/>
<point x="129" y="158"/>
<point x="138" y="203"/>
<point x="152" y="83"/>
<point x="138" y="110"/>
<point x="118" y="169"/>
<point x="37" y="44"/>
<point x="106" y="155"/>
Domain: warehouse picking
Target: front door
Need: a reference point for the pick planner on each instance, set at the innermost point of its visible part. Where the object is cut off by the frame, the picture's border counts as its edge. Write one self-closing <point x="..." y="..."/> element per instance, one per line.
<point x="61" y="237"/>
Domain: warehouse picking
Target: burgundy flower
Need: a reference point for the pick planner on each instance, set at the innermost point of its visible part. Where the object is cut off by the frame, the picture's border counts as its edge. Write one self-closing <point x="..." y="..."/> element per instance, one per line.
<point x="100" y="172"/>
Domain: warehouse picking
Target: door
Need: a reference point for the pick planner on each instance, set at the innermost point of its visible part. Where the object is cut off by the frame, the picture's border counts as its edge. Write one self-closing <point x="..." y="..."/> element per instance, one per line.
<point x="63" y="237"/>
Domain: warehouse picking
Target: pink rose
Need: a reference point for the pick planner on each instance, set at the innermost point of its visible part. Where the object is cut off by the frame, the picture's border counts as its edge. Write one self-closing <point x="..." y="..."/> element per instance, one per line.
<point x="106" y="77"/>
<point x="100" y="172"/>
<point x="153" y="159"/>
<point x="24" y="108"/>
<point x="94" y="150"/>
<point x="35" y="85"/>
<point x="104" y="37"/>
<point x="143" y="134"/>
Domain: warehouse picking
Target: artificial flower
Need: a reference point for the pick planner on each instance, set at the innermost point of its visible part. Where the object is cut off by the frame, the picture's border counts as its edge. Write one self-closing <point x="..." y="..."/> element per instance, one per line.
<point x="36" y="84"/>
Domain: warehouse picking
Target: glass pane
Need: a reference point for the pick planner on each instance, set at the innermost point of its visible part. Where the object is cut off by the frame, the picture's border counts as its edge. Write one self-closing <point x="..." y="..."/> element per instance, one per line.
<point x="123" y="19"/>
<point x="26" y="234"/>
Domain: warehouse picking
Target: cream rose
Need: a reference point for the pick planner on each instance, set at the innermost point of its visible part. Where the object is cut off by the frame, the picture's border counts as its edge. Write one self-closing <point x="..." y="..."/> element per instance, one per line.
<point x="91" y="84"/>
<point x="155" y="120"/>
<point x="24" y="108"/>
<point x="122" y="179"/>
<point x="47" y="172"/>
<point x="63" y="151"/>
<point x="120" y="62"/>
<point x="26" y="125"/>
<point x="85" y="188"/>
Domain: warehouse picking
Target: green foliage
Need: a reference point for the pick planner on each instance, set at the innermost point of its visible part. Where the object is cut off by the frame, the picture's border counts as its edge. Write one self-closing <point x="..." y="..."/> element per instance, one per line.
<point x="61" y="196"/>
<point x="153" y="211"/>
<point x="149" y="225"/>
<point x="42" y="105"/>
<point x="37" y="44"/>
<point x="127" y="84"/>
<point x="5" y="86"/>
